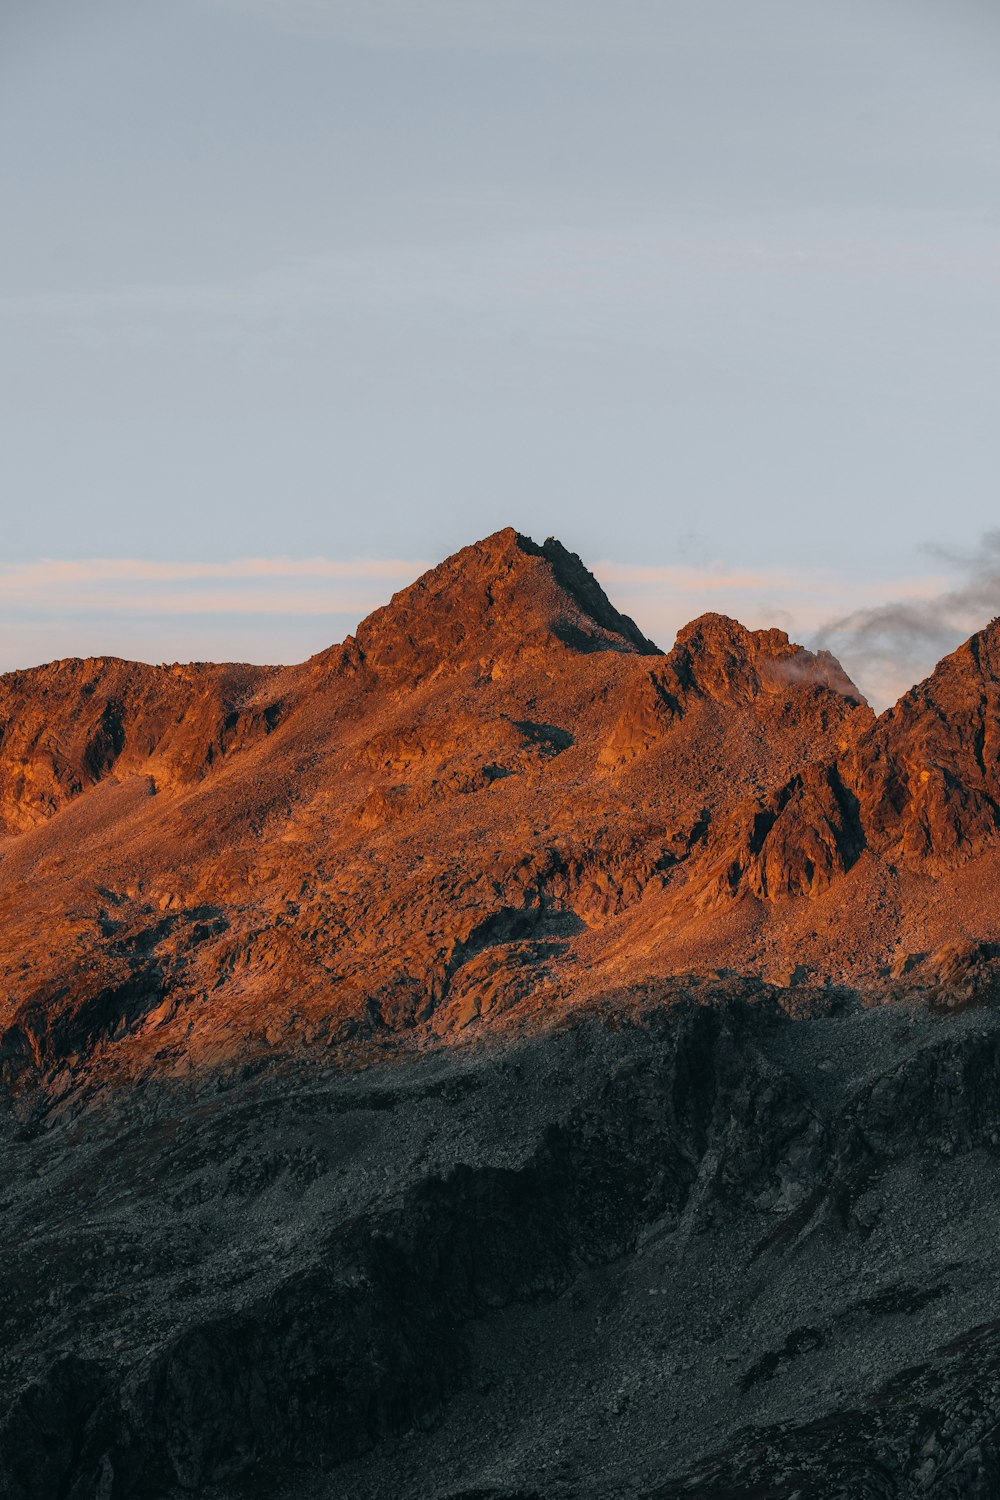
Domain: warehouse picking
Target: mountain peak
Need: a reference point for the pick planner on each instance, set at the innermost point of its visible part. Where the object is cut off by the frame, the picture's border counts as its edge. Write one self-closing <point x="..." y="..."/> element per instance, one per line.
<point x="498" y="597"/>
<point x="576" y="579"/>
<point x="721" y="657"/>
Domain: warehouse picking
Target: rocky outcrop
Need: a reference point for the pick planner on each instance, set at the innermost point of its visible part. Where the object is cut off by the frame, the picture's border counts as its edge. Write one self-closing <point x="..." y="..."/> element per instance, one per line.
<point x="665" y="1247"/>
<point x="718" y="660"/>
<point x="919" y="788"/>
<point x="389" y="1101"/>
<point x="370" y="1335"/>
<point x="795" y="843"/>
<point x="498" y="740"/>
<point x="717" y="657"/>
<point x="928" y="773"/>
<point x="502" y="598"/>
<point x="66" y="726"/>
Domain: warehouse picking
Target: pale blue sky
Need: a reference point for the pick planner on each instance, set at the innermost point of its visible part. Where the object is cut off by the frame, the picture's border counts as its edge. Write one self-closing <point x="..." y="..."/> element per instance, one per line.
<point x="706" y="286"/>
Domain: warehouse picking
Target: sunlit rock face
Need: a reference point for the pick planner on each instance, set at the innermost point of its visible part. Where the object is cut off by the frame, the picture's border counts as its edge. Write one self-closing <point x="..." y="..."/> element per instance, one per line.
<point x="499" y="1057"/>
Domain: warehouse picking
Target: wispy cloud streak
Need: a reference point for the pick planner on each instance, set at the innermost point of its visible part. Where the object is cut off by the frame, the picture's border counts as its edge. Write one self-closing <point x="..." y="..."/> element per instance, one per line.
<point x="255" y="608"/>
<point x="894" y="644"/>
<point x="195" y="586"/>
<point x="887" y="632"/>
<point x="126" y="591"/>
<point x="802" y="601"/>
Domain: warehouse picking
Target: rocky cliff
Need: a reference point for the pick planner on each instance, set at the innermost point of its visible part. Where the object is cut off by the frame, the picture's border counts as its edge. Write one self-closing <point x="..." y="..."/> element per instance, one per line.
<point x="499" y="1057"/>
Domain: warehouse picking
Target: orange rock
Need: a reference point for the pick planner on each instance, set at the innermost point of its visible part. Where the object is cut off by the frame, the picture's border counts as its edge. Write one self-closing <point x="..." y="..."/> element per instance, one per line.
<point x="497" y="799"/>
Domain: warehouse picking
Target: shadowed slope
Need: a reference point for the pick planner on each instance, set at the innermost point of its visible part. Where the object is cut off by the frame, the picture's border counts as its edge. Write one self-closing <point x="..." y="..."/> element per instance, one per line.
<point x="654" y="1226"/>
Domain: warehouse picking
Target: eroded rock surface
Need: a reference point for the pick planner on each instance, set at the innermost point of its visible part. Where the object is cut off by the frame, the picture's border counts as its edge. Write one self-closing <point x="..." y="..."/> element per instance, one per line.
<point x="694" y="1245"/>
<point x="499" y="1058"/>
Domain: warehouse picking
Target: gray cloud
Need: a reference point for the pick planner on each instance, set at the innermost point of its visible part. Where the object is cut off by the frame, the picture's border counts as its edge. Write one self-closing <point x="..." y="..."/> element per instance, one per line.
<point x="888" y="648"/>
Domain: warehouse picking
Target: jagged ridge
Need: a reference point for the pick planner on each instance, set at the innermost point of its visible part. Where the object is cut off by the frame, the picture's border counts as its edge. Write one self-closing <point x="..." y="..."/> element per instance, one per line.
<point x="497" y="795"/>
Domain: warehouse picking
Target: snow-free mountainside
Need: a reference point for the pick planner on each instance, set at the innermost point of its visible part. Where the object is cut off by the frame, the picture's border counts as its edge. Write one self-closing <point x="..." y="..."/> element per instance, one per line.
<point x="499" y="1058"/>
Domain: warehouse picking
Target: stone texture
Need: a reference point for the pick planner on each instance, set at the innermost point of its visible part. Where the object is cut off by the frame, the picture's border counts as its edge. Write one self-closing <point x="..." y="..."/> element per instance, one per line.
<point x="499" y="1058"/>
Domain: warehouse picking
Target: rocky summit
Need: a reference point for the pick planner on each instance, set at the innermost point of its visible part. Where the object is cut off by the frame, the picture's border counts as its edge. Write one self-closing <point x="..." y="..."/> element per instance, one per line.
<point x="498" y="1059"/>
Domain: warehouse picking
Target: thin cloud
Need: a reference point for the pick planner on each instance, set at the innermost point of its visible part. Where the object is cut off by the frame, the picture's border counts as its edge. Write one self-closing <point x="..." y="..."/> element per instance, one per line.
<point x="263" y="609"/>
<point x="249" y="586"/>
<point x="49" y="573"/>
<point x="634" y="575"/>
<point x="887" y="633"/>
<point x="241" y="601"/>
<point x="664" y="597"/>
<point x="896" y="643"/>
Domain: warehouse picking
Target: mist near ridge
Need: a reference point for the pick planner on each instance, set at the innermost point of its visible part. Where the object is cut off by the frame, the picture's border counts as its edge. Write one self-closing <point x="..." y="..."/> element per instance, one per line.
<point x="889" y="647"/>
<point x="243" y="610"/>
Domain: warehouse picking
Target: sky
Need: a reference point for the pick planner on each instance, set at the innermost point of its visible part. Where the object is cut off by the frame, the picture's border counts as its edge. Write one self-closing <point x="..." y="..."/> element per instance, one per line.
<point x="299" y="296"/>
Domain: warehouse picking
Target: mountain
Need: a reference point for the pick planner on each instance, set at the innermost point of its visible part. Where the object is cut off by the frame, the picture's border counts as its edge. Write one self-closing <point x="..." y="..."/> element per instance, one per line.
<point x="445" y="818"/>
<point x="382" y="1036"/>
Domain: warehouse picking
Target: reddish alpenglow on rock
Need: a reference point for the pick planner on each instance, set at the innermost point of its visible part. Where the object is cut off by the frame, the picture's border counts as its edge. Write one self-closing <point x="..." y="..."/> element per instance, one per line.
<point x="497" y="799"/>
<point x="499" y="1057"/>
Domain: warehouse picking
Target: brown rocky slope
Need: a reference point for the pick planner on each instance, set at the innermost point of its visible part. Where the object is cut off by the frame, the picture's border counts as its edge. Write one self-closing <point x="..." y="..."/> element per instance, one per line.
<point x="497" y="1059"/>
<point x="497" y="800"/>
